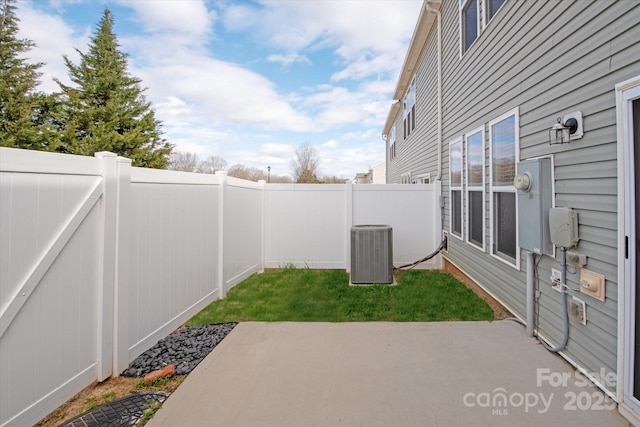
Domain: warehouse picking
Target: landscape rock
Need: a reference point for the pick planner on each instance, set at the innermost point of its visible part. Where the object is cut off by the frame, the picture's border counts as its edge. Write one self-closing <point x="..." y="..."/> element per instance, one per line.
<point x="183" y="348"/>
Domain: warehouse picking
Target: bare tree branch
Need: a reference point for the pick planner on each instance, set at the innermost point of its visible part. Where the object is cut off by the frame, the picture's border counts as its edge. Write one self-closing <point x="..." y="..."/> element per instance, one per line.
<point x="305" y="165"/>
<point x="186" y="162"/>
<point x="212" y="164"/>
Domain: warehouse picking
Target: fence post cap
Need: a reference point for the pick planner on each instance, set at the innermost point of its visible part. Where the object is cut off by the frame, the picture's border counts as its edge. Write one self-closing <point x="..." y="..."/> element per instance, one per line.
<point x="103" y="154"/>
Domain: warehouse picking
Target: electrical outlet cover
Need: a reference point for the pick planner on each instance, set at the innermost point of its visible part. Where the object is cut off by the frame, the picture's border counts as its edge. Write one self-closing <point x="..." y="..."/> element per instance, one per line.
<point x="578" y="310"/>
<point x="592" y="284"/>
<point x="555" y="280"/>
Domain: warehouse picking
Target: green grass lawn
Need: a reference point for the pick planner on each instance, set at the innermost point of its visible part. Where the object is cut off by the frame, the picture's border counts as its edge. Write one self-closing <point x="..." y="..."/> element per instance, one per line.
<point x="305" y="295"/>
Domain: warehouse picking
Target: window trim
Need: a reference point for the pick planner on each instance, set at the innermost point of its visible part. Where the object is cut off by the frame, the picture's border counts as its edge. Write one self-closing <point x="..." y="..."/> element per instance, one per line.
<point x="453" y="188"/>
<point x="392" y="143"/>
<point x="409" y="111"/>
<point x="480" y="189"/>
<point x="486" y="19"/>
<point x="424" y="178"/>
<point x="462" y="5"/>
<point x="503" y="188"/>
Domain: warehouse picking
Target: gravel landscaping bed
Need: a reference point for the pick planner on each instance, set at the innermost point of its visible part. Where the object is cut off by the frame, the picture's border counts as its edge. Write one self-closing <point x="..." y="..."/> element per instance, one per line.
<point x="184" y="348"/>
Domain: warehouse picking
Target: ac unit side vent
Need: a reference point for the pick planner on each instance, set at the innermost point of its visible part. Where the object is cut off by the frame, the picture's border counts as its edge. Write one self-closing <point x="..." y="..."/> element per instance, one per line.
<point x="371" y="254"/>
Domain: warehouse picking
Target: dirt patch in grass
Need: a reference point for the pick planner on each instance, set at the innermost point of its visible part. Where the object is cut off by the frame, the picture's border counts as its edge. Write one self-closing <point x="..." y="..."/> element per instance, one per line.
<point x="100" y="393"/>
<point x="499" y="311"/>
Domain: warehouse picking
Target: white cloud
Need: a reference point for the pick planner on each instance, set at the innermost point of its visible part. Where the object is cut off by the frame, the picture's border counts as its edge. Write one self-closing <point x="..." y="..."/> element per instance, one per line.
<point x="277" y="150"/>
<point x="332" y="143"/>
<point x="290" y="58"/>
<point x="225" y="94"/>
<point x="179" y="18"/>
<point x="53" y="39"/>
<point x="371" y="37"/>
<point x="277" y="24"/>
<point x="239" y="17"/>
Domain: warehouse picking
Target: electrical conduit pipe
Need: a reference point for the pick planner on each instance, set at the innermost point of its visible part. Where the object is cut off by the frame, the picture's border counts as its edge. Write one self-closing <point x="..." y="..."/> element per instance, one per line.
<point x="565" y="310"/>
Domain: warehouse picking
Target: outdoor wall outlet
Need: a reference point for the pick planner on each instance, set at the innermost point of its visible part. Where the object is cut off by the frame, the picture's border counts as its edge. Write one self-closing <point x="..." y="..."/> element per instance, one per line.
<point x="576" y="258"/>
<point x="578" y="310"/>
<point x="592" y="284"/>
<point x="555" y="280"/>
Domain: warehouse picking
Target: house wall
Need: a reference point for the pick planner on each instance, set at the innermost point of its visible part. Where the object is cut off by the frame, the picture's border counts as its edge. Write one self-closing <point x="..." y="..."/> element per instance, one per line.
<point x="545" y="59"/>
<point x="417" y="154"/>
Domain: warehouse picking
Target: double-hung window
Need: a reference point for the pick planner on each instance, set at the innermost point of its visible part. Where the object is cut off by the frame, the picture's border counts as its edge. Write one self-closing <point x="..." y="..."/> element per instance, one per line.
<point x="455" y="187"/>
<point x="475" y="187"/>
<point x="504" y="152"/>
<point x="469" y="23"/>
<point x="491" y="8"/>
<point x="392" y="143"/>
<point x="473" y="21"/>
<point x="409" y="109"/>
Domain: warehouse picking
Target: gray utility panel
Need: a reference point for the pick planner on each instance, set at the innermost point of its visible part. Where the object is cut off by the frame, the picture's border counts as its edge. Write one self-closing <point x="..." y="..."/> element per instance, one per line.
<point x="535" y="198"/>
<point x="371" y="254"/>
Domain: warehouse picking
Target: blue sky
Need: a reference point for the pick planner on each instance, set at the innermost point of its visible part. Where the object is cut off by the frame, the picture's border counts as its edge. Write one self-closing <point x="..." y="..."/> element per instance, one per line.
<point x="249" y="81"/>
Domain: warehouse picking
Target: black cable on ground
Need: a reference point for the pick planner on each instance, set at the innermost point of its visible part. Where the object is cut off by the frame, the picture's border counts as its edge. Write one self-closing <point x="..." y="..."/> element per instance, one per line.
<point x="427" y="258"/>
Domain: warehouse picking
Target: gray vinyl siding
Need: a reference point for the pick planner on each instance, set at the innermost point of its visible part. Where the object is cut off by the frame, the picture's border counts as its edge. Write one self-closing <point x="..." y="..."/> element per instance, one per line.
<point x="418" y="152"/>
<point x="547" y="59"/>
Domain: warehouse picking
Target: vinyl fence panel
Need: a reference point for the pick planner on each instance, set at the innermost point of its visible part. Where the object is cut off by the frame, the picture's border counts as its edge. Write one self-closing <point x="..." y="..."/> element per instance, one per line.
<point x="304" y="225"/>
<point x="309" y="225"/>
<point x="411" y="211"/>
<point x="243" y="222"/>
<point x="173" y="252"/>
<point x="99" y="260"/>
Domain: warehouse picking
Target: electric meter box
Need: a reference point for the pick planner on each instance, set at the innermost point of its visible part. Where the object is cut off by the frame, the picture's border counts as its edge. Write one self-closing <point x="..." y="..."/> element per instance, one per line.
<point x="535" y="198"/>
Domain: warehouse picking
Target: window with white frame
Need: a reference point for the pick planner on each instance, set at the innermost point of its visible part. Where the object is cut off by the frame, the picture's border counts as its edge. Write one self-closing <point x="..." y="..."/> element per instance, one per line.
<point x="504" y="152"/>
<point x="455" y="188"/>
<point x="392" y="143"/>
<point x="469" y="23"/>
<point x="474" y="143"/>
<point x="491" y="8"/>
<point x="405" y="178"/>
<point x="409" y="109"/>
<point x="422" y="179"/>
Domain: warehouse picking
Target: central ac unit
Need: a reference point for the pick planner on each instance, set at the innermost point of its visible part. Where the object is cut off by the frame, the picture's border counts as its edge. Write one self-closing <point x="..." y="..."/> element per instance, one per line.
<point x="371" y="254"/>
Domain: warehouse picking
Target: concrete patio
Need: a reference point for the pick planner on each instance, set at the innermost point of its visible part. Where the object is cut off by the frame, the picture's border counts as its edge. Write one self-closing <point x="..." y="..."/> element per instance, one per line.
<point x="385" y="374"/>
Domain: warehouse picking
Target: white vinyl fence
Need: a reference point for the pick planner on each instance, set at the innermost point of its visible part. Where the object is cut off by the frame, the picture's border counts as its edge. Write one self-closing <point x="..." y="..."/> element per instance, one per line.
<point x="99" y="260"/>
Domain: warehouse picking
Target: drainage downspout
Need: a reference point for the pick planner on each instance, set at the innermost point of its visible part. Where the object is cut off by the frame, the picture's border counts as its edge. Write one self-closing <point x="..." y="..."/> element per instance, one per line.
<point x="439" y="96"/>
<point x="438" y="17"/>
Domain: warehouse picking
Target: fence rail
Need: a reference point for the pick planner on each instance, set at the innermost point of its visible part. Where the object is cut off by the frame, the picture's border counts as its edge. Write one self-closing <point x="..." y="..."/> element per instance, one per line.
<point x="99" y="260"/>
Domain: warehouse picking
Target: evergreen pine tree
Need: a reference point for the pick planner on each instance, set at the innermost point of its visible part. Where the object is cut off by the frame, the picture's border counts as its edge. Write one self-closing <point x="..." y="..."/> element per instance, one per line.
<point x="23" y="110"/>
<point x="107" y="111"/>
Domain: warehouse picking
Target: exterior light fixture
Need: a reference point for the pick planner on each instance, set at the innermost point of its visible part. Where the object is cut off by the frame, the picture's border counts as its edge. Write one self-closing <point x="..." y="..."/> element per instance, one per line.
<point x="567" y="129"/>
